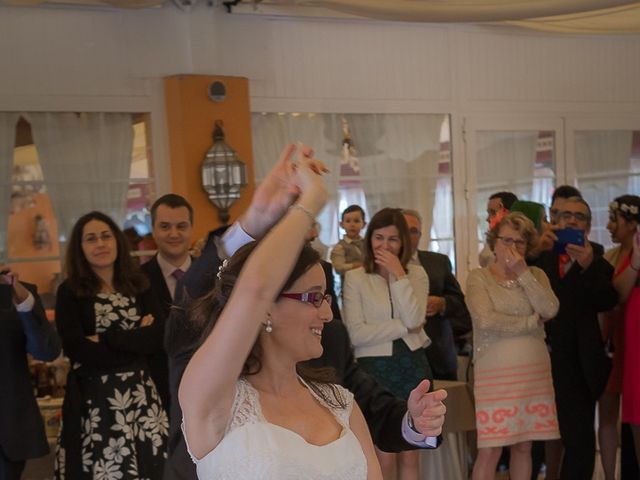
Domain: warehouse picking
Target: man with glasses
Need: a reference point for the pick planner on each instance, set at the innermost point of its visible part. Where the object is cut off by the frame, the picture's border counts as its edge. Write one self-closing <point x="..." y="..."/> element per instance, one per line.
<point x="581" y="279"/>
<point x="547" y="239"/>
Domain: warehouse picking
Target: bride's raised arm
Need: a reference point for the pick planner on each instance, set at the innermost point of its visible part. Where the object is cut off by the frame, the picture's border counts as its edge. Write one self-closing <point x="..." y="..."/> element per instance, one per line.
<point x="208" y="386"/>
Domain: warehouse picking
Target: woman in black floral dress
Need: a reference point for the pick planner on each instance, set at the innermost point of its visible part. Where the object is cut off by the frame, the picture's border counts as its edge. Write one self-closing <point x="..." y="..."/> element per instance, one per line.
<point x="114" y="424"/>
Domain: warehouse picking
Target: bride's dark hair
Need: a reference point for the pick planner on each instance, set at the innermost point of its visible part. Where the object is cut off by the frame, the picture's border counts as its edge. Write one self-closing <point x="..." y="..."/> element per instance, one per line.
<point x="205" y="311"/>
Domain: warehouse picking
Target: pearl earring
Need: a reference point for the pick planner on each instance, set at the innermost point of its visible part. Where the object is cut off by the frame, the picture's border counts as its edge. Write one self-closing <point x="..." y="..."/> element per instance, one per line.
<point x="268" y="327"/>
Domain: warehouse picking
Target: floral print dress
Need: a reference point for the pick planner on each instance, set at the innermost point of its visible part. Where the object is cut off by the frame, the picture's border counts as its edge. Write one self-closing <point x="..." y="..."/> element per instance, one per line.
<point x="124" y="427"/>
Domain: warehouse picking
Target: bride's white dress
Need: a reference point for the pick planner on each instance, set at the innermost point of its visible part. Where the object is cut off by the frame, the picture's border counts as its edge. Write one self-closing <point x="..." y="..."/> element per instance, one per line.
<point x="253" y="448"/>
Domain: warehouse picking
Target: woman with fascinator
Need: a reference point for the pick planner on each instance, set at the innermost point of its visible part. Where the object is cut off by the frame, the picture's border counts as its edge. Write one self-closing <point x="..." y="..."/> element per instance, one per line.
<point x="249" y="410"/>
<point x="622" y="326"/>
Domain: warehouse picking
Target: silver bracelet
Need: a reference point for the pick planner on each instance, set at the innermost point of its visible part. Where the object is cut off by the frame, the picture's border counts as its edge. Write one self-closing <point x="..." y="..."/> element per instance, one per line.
<point x="309" y="213"/>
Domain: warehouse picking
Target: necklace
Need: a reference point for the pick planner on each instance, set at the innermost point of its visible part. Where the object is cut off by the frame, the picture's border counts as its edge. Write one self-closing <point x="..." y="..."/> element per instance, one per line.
<point x="507" y="283"/>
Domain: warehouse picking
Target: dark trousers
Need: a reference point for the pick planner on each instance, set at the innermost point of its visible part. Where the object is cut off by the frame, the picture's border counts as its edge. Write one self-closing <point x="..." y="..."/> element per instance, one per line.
<point x="576" y="416"/>
<point x="179" y="465"/>
<point x="10" y="469"/>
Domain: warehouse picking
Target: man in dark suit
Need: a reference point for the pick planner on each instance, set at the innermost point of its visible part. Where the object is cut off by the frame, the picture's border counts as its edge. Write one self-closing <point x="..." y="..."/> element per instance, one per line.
<point x="581" y="279"/>
<point x="393" y="422"/>
<point x="448" y="320"/>
<point x="172" y="222"/>
<point x="23" y="328"/>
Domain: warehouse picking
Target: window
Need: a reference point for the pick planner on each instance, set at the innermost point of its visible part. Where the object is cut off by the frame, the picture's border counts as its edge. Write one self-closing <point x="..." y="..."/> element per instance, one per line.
<point x="607" y="166"/>
<point x="376" y="161"/>
<point x="55" y="178"/>
<point x="521" y="162"/>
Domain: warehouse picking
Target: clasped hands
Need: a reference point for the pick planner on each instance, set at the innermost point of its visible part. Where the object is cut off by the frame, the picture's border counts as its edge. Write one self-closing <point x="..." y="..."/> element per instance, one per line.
<point x="146" y="321"/>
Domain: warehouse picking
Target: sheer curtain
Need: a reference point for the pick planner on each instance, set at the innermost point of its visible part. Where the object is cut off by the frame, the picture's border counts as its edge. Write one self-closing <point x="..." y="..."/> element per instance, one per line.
<point x="271" y="132"/>
<point x="603" y="164"/>
<point x="397" y="155"/>
<point x="8" y="122"/>
<point x="505" y="161"/>
<point x="86" y="160"/>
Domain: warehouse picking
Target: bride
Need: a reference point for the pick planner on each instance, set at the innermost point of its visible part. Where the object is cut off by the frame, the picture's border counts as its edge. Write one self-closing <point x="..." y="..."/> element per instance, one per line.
<point x="249" y="410"/>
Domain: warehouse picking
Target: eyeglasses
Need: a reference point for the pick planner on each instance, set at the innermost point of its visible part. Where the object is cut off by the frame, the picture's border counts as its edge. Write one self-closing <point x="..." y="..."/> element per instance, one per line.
<point x="93" y="239"/>
<point x="508" y="241"/>
<point x="579" y="216"/>
<point x="315" y="298"/>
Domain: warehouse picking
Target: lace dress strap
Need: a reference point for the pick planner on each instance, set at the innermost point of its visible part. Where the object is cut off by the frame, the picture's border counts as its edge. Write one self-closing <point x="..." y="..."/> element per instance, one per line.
<point x="246" y="406"/>
<point x="245" y="410"/>
<point x="331" y="390"/>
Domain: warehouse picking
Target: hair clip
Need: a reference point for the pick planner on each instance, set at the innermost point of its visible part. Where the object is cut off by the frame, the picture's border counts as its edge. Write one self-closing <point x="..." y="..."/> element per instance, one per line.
<point x="221" y="268"/>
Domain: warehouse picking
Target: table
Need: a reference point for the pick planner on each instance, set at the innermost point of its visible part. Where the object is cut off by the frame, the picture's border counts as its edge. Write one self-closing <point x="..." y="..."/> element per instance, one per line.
<point x="450" y="460"/>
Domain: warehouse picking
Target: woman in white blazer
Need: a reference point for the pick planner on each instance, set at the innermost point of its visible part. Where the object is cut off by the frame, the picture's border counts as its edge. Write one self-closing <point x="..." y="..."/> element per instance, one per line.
<point x="385" y="304"/>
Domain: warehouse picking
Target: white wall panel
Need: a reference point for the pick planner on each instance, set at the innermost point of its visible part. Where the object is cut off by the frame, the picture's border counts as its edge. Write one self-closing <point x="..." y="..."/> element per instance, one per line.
<point x="536" y="67"/>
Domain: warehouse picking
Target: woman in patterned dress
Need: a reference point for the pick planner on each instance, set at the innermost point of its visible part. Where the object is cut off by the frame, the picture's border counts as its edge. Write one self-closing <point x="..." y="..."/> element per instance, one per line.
<point x="513" y="388"/>
<point x="114" y="424"/>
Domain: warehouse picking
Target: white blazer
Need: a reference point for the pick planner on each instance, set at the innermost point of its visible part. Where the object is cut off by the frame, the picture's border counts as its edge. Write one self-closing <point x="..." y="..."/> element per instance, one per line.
<point x="377" y="313"/>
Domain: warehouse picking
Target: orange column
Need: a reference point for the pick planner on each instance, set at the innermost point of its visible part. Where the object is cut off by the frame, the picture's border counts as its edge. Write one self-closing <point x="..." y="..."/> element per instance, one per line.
<point x="190" y="120"/>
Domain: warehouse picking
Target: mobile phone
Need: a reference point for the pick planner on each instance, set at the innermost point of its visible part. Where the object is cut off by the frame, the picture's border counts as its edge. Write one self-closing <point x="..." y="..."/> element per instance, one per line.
<point x="6" y="297"/>
<point x="567" y="236"/>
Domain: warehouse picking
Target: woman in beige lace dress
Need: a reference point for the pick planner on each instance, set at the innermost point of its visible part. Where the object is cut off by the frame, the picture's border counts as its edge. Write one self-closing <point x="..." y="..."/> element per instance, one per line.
<point x="514" y="397"/>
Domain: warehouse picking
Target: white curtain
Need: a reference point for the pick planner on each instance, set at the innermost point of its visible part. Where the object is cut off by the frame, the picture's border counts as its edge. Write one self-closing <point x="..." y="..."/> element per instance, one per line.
<point x="397" y="154"/>
<point x="505" y="161"/>
<point x="271" y="132"/>
<point x="442" y="226"/>
<point x="8" y="122"/>
<point x="86" y="160"/>
<point x="634" y="178"/>
<point x="603" y="164"/>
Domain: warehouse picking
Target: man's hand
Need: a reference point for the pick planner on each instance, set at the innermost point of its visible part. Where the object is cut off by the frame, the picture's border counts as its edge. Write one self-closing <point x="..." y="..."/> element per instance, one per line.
<point x="426" y="409"/>
<point x="582" y="255"/>
<point x="277" y="192"/>
<point x="8" y="277"/>
<point x="435" y="305"/>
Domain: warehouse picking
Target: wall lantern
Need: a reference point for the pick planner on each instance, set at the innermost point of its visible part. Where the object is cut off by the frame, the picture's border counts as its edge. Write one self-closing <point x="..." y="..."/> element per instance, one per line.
<point x="223" y="174"/>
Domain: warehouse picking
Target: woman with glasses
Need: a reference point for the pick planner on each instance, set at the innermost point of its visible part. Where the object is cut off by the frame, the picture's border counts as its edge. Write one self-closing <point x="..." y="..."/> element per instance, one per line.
<point x="113" y="422"/>
<point x="513" y="389"/>
<point x="250" y="411"/>
<point x="384" y="309"/>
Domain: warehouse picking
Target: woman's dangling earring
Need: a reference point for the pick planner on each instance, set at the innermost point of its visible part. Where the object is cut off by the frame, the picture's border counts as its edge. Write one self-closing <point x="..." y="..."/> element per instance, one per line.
<point x="268" y="326"/>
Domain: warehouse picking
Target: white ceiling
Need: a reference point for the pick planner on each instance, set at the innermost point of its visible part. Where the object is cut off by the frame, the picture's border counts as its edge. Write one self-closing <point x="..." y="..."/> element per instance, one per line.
<point x="568" y="16"/>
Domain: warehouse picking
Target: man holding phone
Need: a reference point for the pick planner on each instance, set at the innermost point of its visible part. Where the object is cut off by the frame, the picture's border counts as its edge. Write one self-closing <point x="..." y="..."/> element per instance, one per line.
<point x="23" y="328"/>
<point x="581" y="279"/>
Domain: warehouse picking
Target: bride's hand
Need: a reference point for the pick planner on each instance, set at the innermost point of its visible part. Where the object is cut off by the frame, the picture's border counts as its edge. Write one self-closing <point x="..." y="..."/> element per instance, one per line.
<point x="308" y="173"/>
